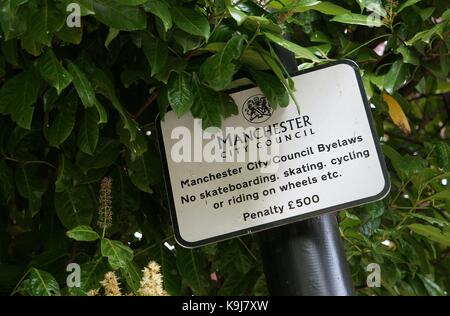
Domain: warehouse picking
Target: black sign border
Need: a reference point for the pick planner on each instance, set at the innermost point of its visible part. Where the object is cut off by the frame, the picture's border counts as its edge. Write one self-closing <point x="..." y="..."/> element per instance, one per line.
<point x="246" y="231"/>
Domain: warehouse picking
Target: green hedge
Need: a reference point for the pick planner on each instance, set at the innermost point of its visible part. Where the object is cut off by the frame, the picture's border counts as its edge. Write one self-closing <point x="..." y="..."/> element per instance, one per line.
<point x="77" y="105"/>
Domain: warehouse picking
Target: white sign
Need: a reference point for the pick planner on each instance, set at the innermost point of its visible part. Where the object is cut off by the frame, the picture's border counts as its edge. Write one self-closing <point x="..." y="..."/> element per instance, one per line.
<point x="266" y="168"/>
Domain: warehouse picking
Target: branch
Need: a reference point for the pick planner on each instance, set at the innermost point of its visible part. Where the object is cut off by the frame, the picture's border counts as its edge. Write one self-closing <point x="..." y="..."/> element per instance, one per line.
<point x="408" y="139"/>
<point x="146" y="104"/>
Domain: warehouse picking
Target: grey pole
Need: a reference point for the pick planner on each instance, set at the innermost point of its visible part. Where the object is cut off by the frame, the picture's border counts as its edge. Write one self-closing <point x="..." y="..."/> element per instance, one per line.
<point x="307" y="257"/>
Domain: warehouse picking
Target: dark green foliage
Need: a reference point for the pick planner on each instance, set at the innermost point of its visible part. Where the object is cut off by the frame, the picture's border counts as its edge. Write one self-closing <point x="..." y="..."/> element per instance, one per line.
<point x="79" y="104"/>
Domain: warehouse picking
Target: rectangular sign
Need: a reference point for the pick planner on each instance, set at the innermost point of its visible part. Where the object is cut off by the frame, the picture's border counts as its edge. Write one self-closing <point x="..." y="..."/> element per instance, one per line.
<point x="264" y="168"/>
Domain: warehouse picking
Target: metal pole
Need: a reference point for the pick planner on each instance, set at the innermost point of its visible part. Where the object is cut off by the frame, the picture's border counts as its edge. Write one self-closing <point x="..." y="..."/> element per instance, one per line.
<point x="305" y="258"/>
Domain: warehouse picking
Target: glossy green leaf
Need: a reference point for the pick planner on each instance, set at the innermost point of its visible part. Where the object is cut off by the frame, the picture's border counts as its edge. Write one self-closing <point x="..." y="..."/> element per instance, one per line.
<point x="374" y="6"/>
<point x="12" y="18"/>
<point x="86" y="7"/>
<point x="83" y="233"/>
<point x="218" y="70"/>
<point x="205" y="106"/>
<point x="132" y="275"/>
<point x="76" y="291"/>
<point x="237" y="14"/>
<point x="406" y="4"/>
<point x="144" y="171"/>
<point x="427" y="35"/>
<point x="157" y="53"/>
<point x="190" y="21"/>
<point x="425" y="14"/>
<point x="163" y="102"/>
<point x="31" y="46"/>
<point x="61" y="127"/>
<point x="272" y="88"/>
<point x="423" y="178"/>
<point x="192" y="267"/>
<point x="446" y="15"/>
<point x="53" y="72"/>
<point x="188" y="42"/>
<point x="443" y="195"/>
<point x="299" y="51"/>
<point x="255" y="59"/>
<point x="10" y="52"/>
<point x="104" y="155"/>
<point x="93" y="272"/>
<point x="396" y="77"/>
<point x="66" y="173"/>
<point x="260" y="23"/>
<point x="161" y="9"/>
<point x="42" y="283"/>
<point x="235" y="257"/>
<point x="180" y="93"/>
<point x="430" y="220"/>
<point x="324" y="7"/>
<point x="119" y="16"/>
<point x="117" y="253"/>
<point x="409" y="56"/>
<point x="405" y="166"/>
<point x="359" y="19"/>
<point x="138" y="146"/>
<point x="174" y="65"/>
<point x="89" y="131"/>
<point x="30" y="186"/>
<point x="126" y="196"/>
<point x="72" y="35"/>
<point x="431" y="286"/>
<point x="82" y="85"/>
<point x="132" y="2"/>
<point x="102" y="114"/>
<point x="236" y="283"/>
<point x="104" y="85"/>
<point x="112" y="34"/>
<point x="443" y="155"/>
<point x="75" y="206"/>
<point x="227" y="105"/>
<point x="46" y="21"/>
<point x="167" y="259"/>
<point x="17" y="97"/>
<point x="432" y="233"/>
